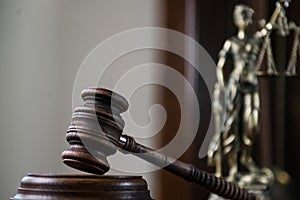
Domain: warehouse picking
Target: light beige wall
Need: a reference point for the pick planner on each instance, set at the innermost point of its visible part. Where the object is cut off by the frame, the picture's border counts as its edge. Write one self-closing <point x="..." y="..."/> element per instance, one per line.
<point x="42" y="44"/>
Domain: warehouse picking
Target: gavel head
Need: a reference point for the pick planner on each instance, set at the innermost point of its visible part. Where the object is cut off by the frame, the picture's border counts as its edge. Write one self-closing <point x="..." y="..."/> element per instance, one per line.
<point x="95" y="129"/>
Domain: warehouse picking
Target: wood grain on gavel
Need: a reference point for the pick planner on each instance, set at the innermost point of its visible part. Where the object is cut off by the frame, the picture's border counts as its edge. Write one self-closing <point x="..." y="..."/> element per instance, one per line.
<point x="79" y="187"/>
<point x="99" y="125"/>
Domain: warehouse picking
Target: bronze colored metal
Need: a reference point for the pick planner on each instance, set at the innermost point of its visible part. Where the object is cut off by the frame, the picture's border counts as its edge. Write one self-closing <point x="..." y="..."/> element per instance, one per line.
<point x="284" y="28"/>
<point x="238" y="128"/>
<point x="235" y="135"/>
<point x="108" y="136"/>
<point x="80" y="187"/>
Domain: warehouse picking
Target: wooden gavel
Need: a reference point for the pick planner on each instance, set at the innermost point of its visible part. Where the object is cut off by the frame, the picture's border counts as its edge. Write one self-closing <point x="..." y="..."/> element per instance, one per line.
<point x="99" y="125"/>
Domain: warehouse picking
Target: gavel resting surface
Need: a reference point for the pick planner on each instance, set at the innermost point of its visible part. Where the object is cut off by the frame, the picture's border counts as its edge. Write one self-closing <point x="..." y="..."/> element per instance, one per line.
<point x="98" y="123"/>
<point x="82" y="187"/>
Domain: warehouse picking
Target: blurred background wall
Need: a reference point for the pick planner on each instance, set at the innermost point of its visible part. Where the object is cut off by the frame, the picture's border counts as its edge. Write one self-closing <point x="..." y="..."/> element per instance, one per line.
<point x="42" y="45"/>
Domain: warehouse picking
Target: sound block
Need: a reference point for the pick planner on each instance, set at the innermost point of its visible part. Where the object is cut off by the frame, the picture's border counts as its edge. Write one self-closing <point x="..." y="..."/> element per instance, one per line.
<point x="82" y="187"/>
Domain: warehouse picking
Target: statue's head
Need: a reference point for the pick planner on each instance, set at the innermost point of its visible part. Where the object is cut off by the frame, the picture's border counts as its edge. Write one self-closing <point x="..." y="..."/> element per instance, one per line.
<point x="243" y="16"/>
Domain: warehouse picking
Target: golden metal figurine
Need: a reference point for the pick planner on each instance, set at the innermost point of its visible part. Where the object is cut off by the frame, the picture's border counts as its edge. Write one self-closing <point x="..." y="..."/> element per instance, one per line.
<point x="241" y="122"/>
<point x="237" y="130"/>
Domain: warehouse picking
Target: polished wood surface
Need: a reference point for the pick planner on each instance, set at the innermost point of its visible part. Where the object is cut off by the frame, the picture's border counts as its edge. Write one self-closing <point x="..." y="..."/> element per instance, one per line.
<point x="79" y="187"/>
<point x="95" y="128"/>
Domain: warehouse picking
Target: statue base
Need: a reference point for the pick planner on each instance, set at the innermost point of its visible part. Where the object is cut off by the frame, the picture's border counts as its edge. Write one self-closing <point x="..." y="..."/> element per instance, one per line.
<point x="259" y="190"/>
<point x="254" y="182"/>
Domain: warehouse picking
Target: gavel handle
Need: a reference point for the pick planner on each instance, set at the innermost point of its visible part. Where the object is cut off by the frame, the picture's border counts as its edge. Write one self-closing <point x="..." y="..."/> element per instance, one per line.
<point x="186" y="171"/>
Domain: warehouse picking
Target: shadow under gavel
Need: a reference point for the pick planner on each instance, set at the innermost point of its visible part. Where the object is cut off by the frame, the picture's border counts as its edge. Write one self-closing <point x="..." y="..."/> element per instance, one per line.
<point x="97" y="125"/>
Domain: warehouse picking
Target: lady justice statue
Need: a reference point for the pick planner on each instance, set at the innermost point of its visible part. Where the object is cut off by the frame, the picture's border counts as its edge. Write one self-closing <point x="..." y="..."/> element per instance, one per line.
<point x="241" y="121"/>
<point x="237" y="130"/>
